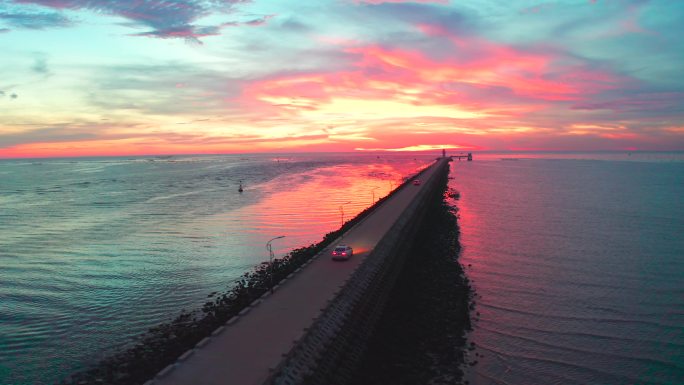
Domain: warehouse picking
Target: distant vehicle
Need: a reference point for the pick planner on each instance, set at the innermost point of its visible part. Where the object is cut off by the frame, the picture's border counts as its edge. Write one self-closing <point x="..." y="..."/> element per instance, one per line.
<point x="416" y="182"/>
<point x="342" y="253"/>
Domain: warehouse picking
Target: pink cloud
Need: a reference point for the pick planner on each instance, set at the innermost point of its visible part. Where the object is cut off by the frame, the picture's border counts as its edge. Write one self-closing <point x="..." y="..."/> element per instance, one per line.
<point x="516" y="93"/>
<point x="537" y="74"/>
<point x="471" y="78"/>
<point x="662" y="101"/>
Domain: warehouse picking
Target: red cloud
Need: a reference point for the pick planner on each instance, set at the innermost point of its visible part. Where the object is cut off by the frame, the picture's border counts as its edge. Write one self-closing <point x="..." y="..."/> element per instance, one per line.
<point x="478" y="75"/>
<point x="479" y="90"/>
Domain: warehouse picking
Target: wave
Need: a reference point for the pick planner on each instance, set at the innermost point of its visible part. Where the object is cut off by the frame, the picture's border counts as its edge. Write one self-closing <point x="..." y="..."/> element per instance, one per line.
<point x="570" y="370"/>
<point x="572" y="317"/>
<point x="582" y="352"/>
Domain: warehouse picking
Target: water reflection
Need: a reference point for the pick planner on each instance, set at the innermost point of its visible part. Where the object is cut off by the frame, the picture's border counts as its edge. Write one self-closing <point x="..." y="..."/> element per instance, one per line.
<point x="308" y="205"/>
<point x="95" y="251"/>
<point x="575" y="264"/>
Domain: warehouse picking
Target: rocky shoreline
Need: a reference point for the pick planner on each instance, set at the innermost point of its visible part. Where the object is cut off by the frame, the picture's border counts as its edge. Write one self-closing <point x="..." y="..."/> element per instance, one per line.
<point x="420" y="338"/>
<point x="161" y="345"/>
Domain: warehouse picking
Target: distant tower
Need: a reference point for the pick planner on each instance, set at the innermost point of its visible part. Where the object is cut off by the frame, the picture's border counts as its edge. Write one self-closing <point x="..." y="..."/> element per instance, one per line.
<point x="443" y="153"/>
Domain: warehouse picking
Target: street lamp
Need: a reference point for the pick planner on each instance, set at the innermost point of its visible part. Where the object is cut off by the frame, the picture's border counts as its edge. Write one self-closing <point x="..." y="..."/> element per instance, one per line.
<point x="270" y="257"/>
<point x="342" y="212"/>
<point x="373" y="191"/>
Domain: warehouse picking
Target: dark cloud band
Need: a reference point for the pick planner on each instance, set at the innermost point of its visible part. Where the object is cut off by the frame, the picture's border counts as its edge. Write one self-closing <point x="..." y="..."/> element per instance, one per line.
<point x="166" y="18"/>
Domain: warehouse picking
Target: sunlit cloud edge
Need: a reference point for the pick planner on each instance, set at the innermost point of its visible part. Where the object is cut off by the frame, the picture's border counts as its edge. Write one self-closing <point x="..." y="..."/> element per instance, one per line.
<point x="421" y="147"/>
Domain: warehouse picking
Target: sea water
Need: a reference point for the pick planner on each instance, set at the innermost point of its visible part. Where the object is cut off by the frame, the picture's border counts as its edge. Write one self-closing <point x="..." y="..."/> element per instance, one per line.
<point x="577" y="264"/>
<point x="577" y="260"/>
<point x="93" y="252"/>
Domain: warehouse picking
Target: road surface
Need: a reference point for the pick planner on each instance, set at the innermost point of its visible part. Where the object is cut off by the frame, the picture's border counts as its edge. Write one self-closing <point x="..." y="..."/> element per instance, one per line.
<point x="245" y="351"/>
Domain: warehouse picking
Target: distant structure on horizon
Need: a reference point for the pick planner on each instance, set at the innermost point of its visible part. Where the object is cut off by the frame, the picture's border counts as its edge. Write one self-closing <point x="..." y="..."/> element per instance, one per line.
<point x="469" y="157"/>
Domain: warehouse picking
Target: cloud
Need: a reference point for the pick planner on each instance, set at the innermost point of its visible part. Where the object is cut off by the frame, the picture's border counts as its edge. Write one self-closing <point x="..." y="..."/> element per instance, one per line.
<point x="639" y="102"/>
<point x="352" y="74"/>
<point x="480" y="78"/>
<point x="474" y="87"/>
<point x="59" y="133"/>
<point x="401" y="1"/>
<point x="161" y="89"/>
<point x="259" y="21"/>
<point x="294" y="25"/>
<point x="40" y="66"/>
<point x="13" y="95"/>
<point x="34" y="20"/>
<point x="4" y="30"/>
<point x="455" y="20"/>
<point x="255" y="22"/>
<point x="420" y="147"/>
<point x="98" y="138"/>
<point x="166" y="18"/>
<point x="193" y="33"/>
<point x="189" y="33"/>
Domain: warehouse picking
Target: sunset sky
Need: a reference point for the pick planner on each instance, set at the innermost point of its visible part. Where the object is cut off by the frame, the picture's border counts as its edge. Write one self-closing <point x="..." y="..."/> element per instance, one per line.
<point x="106" y="77"/>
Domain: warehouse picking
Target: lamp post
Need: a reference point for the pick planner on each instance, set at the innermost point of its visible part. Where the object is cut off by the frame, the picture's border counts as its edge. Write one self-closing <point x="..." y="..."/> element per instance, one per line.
<point x="373" y="192"/>
<point x="342" y="212"/>
<point x="270" y="257"/>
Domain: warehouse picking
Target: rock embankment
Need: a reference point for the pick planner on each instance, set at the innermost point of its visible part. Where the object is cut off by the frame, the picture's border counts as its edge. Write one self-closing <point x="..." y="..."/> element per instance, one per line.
<point x="420" y="336"/>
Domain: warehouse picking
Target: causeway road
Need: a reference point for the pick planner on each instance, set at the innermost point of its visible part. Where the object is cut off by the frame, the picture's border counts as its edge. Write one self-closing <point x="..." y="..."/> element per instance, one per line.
<point x="244" y="352"/>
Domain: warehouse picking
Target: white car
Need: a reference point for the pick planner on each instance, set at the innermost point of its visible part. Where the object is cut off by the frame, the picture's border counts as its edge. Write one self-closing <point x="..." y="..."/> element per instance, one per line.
<point x="342" y="252"/>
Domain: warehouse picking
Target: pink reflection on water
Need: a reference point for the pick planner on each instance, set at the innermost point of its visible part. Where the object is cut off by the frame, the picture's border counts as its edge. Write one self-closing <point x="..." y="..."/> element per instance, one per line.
<point x="309" y="205"/>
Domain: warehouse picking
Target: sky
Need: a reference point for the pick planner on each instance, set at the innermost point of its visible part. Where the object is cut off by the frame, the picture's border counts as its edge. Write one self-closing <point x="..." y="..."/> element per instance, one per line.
<point x="136" y="77"/>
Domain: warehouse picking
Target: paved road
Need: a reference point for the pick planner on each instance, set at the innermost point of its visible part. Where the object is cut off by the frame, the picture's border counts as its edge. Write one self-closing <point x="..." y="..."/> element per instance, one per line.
<point x="245" y="351"/>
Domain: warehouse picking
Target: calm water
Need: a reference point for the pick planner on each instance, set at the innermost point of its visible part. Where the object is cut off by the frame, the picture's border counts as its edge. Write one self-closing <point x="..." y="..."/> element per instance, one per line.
<point x="578" y="265"/>
<point x="95" y="251"/>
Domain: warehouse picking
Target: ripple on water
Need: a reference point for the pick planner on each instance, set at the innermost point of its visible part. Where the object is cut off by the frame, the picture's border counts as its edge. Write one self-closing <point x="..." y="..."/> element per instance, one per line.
<point x="95" y="252"/>
<point x="576" y="269"/>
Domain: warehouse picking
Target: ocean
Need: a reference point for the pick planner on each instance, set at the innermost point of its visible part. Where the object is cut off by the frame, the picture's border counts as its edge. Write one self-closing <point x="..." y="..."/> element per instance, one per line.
<point x="93" y="252"/>
<point x="577" y="261"/>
